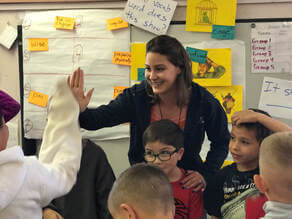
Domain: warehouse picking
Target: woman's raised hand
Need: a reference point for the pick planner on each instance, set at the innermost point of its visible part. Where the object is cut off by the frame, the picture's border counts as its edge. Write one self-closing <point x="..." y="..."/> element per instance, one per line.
<point x="76" y="84"/>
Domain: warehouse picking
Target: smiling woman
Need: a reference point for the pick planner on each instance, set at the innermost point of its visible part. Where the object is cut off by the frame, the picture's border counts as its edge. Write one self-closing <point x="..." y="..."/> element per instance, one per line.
<point x="167" y="93"/>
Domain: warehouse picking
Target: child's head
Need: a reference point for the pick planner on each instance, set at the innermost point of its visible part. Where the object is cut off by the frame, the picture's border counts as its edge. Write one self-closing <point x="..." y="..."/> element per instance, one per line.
<point x="163" y="142"/>
<point x="142" y="191"/>
<point x="275" y="179"/>
<point x="4" y="132"/>
<point x="245" y="143"/>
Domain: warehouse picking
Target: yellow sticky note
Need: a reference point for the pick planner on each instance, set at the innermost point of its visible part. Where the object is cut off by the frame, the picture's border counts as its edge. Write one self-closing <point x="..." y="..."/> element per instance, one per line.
<point x="38" y="44"/>
<point x="122" y="58"/>
<point x="138" y="51"/>
<point x="64" y="23"/>
<point x="116" y="23"/>
<point x="38" y="98"/>
<point x="118" y="90"/>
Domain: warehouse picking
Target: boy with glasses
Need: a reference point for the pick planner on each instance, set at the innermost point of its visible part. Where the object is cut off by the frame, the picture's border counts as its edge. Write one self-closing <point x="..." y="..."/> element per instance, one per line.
<point x="163" y="141"/>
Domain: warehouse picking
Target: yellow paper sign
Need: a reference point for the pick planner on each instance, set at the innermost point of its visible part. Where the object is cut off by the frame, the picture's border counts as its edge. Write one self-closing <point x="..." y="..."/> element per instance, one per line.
<point x="122" y="58"/>
<point x="118" y="90"/>
<point x="38" y="98"/>
<point x="201" y="15"/>
<point x="64" y="23"/>
<point x="38" y="44"/>
<point x="216" y="71"/>
<point x="229" y="97"/>
<point x="116" y="23"/>
<point x="138" y="51"/>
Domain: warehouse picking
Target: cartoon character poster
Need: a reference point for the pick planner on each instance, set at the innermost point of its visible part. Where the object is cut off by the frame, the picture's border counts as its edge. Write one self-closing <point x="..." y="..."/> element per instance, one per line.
<point x="229" y="97"/>
<point x="202" y="14"/>
<point x="216" y="71"/>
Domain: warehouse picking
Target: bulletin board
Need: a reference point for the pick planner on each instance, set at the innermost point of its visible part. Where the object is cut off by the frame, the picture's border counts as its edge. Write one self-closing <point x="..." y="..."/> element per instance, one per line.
<point x="252" y="82"/>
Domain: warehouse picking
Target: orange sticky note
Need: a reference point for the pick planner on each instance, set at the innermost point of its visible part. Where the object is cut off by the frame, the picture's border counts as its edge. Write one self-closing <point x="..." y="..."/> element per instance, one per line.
<point x="64" y="23"/>
<point x="122" y="58"/>
<point x="118" y="90"/>
<point x="38" y="44"/>
<point x="38" y="98"/>
<point x="116" y="23"/>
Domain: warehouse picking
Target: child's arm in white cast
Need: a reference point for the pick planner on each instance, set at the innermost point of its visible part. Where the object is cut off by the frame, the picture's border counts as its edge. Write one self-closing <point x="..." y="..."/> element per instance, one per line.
<point x="60" y="152"/>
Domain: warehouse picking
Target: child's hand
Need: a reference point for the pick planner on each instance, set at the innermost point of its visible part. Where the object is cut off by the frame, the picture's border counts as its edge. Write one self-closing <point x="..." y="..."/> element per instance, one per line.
<point x="244" y="116"/>
<point x="194" y="180"/>
<point x="76" y="84"/>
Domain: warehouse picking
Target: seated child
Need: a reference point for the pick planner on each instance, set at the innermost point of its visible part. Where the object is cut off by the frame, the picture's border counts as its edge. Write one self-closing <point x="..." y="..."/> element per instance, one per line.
<point x="225" y="194"/>
<point x="275" y="179"/>
<point x="28" y="184"/>
<point x="164" y="146"/>
<point x="142" y="191"/>
<point x="88" y="197"/>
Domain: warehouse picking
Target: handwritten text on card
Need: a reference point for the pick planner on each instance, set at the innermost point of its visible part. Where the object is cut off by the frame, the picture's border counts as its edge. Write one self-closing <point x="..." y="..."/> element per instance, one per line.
<point x="38" y="98"/>
<point x="38" y="44"/>
<point x="116" y="23"/>
<point x="122" y="58"/>
<point x="276" y="97"/>
<point x="150" y="15"/>
<point x="64" y="23"/>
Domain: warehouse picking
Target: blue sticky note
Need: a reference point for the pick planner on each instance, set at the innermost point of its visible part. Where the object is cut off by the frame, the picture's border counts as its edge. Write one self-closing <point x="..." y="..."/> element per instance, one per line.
<point x="197" y="55"/>
<point x="223" y="32"/>
<point x="141" y="74"/>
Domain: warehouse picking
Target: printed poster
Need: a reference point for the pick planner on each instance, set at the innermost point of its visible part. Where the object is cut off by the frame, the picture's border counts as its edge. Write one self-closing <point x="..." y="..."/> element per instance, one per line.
<point x="202" y="14"/>
<point x="229" y="97"/>
<point x="216" y="71"/>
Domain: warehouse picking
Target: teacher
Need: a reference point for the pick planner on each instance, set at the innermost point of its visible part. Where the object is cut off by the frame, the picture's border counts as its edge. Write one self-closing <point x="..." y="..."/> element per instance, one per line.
<point x="167" y="93"/>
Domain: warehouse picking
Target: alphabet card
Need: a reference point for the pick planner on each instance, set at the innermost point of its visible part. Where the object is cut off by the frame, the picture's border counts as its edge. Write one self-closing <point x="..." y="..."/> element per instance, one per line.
<point x="150" y="15"/>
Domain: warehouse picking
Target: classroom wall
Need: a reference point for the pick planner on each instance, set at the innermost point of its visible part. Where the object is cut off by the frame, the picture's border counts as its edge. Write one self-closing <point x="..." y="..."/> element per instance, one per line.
<point x="9" y="70"/>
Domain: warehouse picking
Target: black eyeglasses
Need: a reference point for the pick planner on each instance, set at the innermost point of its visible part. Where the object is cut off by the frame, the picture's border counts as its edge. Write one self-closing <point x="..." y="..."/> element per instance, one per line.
<point x="162" y="156"/>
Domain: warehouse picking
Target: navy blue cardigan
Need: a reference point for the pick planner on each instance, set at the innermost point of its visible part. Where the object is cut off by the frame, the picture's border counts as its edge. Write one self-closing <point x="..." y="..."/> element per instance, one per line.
<point x="204" y="114"/>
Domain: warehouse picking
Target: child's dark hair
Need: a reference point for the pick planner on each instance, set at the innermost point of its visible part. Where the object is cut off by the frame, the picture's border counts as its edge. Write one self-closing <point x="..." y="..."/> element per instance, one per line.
<point x="164" y="131"/>
<point x="261" y="132"/>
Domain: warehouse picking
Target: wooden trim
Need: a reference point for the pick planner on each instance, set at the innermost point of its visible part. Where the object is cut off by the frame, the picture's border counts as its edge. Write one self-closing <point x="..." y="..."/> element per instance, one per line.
<point x="53" y="1"/>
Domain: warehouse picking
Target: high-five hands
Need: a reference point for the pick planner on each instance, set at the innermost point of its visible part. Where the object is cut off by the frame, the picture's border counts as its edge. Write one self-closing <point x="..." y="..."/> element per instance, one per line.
<point x="76" y="84"/>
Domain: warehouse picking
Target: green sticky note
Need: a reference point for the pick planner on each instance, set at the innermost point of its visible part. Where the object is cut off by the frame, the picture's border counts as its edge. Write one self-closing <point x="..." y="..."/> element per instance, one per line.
<point x="223" y="32"/>
<point x="197" y="55"/>
<point x="141" y="74"/>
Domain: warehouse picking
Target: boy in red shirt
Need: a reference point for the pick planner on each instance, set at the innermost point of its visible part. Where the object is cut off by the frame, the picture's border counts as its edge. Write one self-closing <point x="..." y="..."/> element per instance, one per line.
<point x="163" y="141"/>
